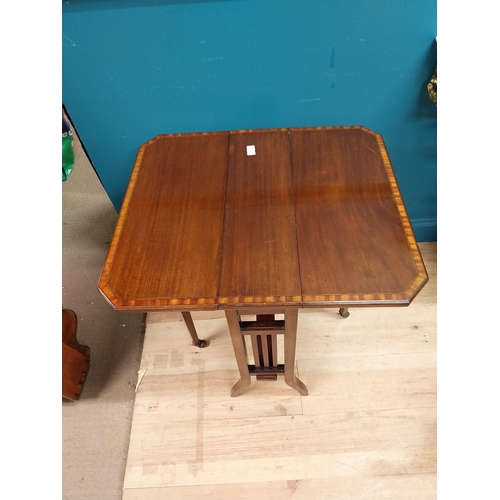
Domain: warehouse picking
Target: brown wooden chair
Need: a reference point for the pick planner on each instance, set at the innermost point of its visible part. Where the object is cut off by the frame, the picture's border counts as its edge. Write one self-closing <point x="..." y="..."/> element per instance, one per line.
<point x="75" y="358"/>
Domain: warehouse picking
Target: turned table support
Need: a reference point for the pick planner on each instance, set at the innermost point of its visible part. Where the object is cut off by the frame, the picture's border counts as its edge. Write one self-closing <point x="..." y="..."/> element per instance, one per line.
<point x="263" y="333"/>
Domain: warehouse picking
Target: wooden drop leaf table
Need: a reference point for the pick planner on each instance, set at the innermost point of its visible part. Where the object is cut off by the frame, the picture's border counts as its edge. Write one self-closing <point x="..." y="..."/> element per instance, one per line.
<point x="263" y="223"/>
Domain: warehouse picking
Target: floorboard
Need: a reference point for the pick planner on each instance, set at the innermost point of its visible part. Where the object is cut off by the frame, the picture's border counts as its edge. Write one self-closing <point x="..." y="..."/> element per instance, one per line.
<point x="366" y="430"/>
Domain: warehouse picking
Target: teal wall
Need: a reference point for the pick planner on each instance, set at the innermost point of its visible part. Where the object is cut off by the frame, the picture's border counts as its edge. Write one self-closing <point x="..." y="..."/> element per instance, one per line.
<point x="133" y="69"/>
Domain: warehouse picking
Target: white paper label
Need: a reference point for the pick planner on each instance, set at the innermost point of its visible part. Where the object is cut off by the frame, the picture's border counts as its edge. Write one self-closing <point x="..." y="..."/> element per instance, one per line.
<point x="251" y="150"/>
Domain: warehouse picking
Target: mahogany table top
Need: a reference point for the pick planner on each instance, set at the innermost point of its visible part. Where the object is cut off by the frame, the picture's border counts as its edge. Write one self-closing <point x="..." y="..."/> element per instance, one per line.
<point x="314" y="218"/>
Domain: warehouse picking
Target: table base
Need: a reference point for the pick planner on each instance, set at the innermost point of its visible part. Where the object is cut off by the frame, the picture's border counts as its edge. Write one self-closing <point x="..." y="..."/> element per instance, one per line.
<point x="263" y="333"/>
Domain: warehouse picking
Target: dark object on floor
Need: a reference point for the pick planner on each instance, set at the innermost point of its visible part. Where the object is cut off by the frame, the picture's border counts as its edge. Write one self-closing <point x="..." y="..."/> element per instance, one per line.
<point x="75" y="358"/>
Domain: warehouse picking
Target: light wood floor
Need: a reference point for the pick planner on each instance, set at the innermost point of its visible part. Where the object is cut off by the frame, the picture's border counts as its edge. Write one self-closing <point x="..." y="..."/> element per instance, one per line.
<point x="367" y="429"/>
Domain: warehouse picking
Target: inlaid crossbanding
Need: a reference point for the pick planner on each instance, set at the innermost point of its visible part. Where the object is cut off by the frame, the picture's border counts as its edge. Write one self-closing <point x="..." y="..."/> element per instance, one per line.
<point x="113" y="283"/>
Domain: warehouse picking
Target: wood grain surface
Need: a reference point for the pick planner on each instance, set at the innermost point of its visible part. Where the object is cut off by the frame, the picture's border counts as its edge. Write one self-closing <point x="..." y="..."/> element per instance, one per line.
<point x="311" y="217"/>
<point x="166" y="249"/>
<point x="259" y="261"/>
<point x="353" y="243"/>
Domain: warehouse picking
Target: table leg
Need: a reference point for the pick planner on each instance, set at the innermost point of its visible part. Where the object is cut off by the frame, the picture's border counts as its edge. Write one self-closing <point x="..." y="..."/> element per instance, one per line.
<point x="344" y="312"/>
<point x="192" y="330"/>
<point x="291" y="316"/>
<point x="240" y="352"/>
